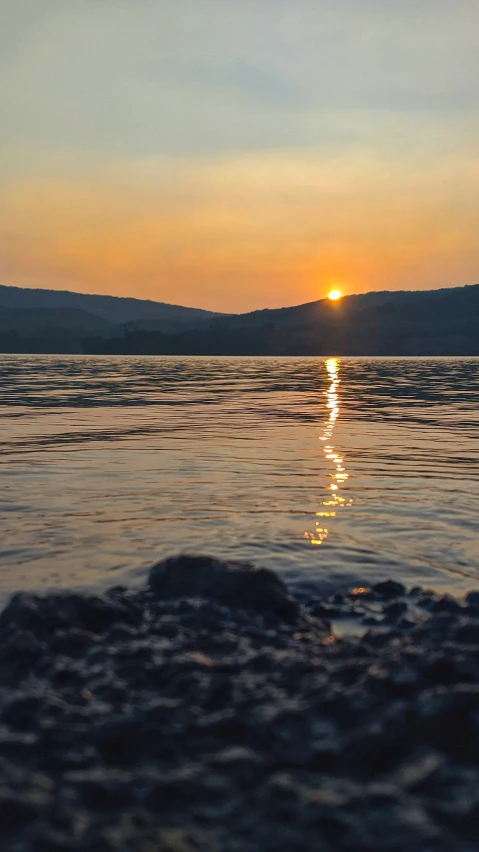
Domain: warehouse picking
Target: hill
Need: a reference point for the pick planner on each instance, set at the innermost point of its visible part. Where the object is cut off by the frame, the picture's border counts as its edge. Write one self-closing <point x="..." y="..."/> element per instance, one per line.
<point x="439" y="322"/>
<point x="436" y="322"/>
<point x="36" y="319"/>
<point x="50" y="329"/>
<point x="115" y="309"/>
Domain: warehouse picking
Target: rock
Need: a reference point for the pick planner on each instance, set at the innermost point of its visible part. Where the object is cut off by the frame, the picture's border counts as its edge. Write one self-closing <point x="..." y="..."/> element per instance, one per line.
<point x="378" y="636"/>
<point x="244" y="764"/>
<point x="16" y="809"/>
<point x="100" y="789"/>
<point x="72" y="641"/>
<point x="20" y="650"/>
<point x="446" y="604"/>
<point x="467" y="630"/>
<point x="394" y="610"/>
<point x="389" y="589"/>
<point x="42" y="616"/>
<point x="234" y="584"/>
<point x="472" y="600"/>
<point x="449" y="717"/>
<point x="211" y="711"/>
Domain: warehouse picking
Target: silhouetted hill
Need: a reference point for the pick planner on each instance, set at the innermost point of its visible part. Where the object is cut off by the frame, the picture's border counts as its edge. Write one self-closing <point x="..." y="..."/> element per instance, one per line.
<point x="437" y="322"/>
<point x="34" y="319"/>
<point x="171" y="325"/>
<point x="440" y="322"/>
<point x="50" y="330"/>
<point x="115" y="309"/>
<point x="349" y="305"/>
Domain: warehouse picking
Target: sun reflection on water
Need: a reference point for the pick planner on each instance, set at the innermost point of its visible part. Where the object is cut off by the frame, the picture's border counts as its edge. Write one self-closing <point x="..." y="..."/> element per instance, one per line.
<point x="334" y="501"/>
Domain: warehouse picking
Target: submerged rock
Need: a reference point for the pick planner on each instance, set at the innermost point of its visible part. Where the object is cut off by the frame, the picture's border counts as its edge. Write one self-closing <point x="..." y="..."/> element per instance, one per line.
<point x="213" y="711"/>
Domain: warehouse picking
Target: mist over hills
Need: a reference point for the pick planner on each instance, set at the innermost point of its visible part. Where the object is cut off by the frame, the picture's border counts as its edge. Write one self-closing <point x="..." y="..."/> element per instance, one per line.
<point x="434" y="322"/>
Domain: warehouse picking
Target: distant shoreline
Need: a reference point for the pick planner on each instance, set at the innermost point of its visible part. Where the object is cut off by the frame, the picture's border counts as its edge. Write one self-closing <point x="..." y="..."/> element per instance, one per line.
<point x="240" y="355"/>
<point x="431" y="323"/>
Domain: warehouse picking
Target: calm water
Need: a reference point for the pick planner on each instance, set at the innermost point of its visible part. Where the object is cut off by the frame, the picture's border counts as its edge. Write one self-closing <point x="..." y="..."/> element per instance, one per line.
<point x="334" y="471"/>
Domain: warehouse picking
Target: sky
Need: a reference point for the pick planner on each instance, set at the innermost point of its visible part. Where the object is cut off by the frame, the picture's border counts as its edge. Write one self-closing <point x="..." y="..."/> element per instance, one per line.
<point x="239" y="154"/>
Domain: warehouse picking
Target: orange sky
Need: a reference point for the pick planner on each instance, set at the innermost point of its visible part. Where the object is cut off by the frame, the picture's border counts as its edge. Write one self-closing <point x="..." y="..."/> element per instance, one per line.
<point x="246" y="232"/>
<point x="226" y="174"/>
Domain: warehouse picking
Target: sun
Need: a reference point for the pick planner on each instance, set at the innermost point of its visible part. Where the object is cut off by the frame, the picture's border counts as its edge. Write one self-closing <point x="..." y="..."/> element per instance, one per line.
<point x="334" y="295"/>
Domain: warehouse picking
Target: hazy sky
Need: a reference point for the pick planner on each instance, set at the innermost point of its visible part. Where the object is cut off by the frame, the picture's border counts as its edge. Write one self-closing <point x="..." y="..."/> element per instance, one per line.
<point x="235" y="154"/>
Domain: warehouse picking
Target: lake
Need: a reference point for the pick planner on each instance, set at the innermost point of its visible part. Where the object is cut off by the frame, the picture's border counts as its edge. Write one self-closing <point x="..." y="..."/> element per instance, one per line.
<point x="335" y="472"/>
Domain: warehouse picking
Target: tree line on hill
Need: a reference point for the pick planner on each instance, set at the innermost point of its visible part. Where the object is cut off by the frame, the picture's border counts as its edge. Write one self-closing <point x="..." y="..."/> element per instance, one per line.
<point x="439" y="322"/>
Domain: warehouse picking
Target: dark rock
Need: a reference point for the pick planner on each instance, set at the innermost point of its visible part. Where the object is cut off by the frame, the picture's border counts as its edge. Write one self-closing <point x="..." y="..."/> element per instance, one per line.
<point x="16" y="810"/>
<point x="71" y="641"/>
<point x="393" y="611"/>
<point x="102" y="789"/>
<point x="42" y="616"/>
<point x="234" y="584"/>
<point x="472" y="600"/>
<point x="244" y="764"/>
<point x="389" y="589"/>
<point x="467" y="630"/>
<point x="446" y="604"/>
<point x="426" y="600"/>
<point x="378" y="636"/>
<point x="20" y="650"/>
<point x="211" y="711"/>
<point x="449" y="717"/>
<point x="440" y="668"/>
<point x="324" y="610"/>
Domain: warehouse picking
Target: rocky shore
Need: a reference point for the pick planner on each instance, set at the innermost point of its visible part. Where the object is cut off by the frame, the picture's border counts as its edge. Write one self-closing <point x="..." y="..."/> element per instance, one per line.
<point x="214" y="712"/>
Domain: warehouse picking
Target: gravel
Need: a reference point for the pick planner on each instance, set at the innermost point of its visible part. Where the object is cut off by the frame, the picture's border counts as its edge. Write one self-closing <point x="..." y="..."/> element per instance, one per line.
<point x="214" y="712"/>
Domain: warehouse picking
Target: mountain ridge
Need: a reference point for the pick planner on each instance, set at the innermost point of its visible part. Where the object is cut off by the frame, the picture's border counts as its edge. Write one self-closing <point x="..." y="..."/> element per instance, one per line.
<point x="116" y="309"/>
<point x="443" y="321"/>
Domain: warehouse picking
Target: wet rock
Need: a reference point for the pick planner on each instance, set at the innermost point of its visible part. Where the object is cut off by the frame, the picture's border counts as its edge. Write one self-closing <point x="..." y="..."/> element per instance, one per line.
<point x="389" y="589"/>
<point x="467" y="631"/>
<point x="427" y="600"/>
<point x="243" y="764"/>
<point x="440" y="668"/>
<point x="446" y="604"/>
<point x="450" y="719"/>
<point x="234" y="584"/>
<point x="20" y="650"/>
<point x="322" y="609"/>
<point x="393" y="611"/>
<point x="378" y="636"/>
<point x="17" y="810"/>
<point x="72" y="641"/>
<point x="214" y="711"/>
<point x="472" y="600"/>
<point x="101" y="789"/>
<point x="42" y="616"/>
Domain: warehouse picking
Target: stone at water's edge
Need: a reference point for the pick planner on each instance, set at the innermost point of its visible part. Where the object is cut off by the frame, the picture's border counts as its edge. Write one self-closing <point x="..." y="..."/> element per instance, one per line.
<point x="235" y="584"/>
<point x="210" y="712"/>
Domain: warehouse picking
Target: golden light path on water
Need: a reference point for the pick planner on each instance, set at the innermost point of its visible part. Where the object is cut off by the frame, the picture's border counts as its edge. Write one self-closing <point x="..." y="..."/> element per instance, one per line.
<point x="334" y="501"/>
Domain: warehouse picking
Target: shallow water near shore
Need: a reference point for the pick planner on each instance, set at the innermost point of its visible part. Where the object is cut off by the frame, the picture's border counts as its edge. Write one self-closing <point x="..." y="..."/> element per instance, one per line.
<point x="335" y="472"/>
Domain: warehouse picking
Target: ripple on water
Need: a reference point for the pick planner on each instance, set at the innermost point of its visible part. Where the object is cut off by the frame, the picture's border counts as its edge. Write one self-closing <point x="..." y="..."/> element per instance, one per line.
<point x="335" y="471"/>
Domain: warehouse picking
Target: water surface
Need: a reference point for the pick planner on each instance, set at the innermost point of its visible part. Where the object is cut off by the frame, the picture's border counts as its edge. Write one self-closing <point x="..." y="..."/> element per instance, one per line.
<point x="334" y="471"/>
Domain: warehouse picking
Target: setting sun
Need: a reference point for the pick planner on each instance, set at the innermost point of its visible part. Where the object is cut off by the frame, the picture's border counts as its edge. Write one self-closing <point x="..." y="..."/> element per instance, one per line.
<point x="334" y="295"/>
